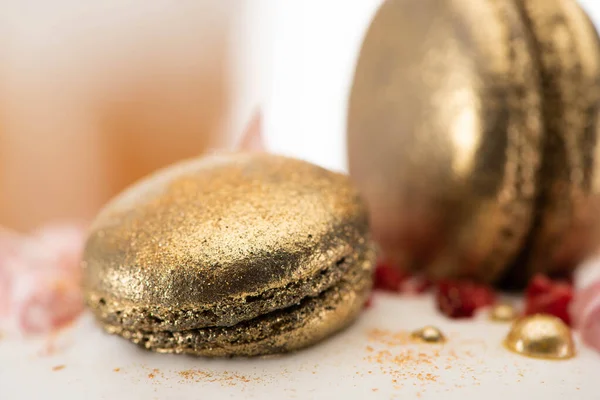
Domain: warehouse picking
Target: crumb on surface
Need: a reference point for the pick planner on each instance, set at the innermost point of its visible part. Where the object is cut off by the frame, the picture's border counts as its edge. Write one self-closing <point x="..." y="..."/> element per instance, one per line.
<point x="224" y="378"/>
<point x="58" y="367"/>
<point x="117" y="369"/>
<point x="403" y="359"/>
<point x="49" y="348"/>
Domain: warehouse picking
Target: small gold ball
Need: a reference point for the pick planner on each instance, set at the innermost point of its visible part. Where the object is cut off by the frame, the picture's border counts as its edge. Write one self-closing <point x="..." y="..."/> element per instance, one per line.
<point x="503" y="313"/>
<point x="541" y="336"/>
<point x="429" y="334"/>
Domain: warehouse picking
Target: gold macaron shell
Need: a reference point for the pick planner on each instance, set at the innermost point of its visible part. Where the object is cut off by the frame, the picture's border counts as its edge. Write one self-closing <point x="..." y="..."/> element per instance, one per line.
<point x="219" y="241"/>
<point x="569" y="54"/>
<point x="444" y="134"/>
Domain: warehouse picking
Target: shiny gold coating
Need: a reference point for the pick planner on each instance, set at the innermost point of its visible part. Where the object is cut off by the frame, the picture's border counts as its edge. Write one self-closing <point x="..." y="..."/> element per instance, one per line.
<point x="569" y="52"/>
<point x="288" y="329"/>
<point x="472" y="135"/>
<point x="429" y="334"/>
<point x="444" y="134"/>
<point x="541" y="336"/>
<point x="214" y="244"/>
<point x="503" y="312"/>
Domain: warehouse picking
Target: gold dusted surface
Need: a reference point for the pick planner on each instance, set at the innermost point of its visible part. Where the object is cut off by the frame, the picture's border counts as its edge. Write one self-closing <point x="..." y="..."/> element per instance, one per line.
<point x="541" y="336"/>
<point x="230" y="311"/>
<point x="220" y="240"/>
<point x="444" y="133"/>
<point x="503" y="312"/>
<point x="285" y="330"/>
<point x="569" y="52"/>
<point x="429" y="334"/>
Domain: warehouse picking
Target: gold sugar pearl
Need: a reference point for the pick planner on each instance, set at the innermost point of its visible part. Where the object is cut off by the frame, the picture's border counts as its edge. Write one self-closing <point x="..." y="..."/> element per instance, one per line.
<point x="429" y="334"/>
<point x="541" y="336"/>
<point x="503" y="313"/>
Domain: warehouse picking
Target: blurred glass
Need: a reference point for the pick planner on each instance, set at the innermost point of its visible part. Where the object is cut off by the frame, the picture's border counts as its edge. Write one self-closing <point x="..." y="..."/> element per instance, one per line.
<point x="95" y="95"/>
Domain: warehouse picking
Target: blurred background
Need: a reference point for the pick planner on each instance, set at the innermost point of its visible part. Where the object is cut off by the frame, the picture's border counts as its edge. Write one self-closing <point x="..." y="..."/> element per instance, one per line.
<point x="94" y="95"/>
<point x="317" y="44"/>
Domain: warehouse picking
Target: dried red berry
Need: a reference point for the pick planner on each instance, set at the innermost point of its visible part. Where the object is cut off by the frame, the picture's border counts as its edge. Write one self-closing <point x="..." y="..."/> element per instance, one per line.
<point x="537" y="286"/>
<point x="388" y="277"/>
<point x="544" y="295"/>
<point x="460" y="299"/>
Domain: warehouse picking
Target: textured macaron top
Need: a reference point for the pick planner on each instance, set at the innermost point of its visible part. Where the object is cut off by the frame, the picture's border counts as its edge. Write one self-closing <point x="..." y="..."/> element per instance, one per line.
<point x="222" y="239"/>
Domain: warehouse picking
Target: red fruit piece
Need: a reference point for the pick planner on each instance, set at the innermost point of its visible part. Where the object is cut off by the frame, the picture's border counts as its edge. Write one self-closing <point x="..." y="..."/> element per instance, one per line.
<point x="460" y="299"/>
<point x="549" y="297"/>
<point x="388" y="278"/>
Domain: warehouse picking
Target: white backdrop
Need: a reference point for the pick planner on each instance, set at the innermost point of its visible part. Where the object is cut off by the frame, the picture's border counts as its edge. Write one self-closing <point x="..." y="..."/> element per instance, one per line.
<point x="315" y="45"/>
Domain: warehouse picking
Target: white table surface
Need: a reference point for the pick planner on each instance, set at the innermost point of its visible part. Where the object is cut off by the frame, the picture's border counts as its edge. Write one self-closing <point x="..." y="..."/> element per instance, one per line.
<point x="365" y="361"/>
<point x="304" y="102"/>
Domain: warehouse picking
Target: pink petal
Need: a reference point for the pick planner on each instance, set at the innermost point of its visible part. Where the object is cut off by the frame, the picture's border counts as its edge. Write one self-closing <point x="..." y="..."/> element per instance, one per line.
<point x="252" y="140"/>
<point x="5" y="292"/>
<point x="40" y="278"/>
<point x="63" y="246"/>
<point x="589" y="322"/>
<point x="51" y="304"/>
<point x="585" y="312"/>
<point x="582" y="301"/>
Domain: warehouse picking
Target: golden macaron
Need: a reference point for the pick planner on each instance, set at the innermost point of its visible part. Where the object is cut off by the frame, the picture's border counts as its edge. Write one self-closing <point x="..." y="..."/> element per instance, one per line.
<point x="472" y="135"/>
<point x="230" y="255"/>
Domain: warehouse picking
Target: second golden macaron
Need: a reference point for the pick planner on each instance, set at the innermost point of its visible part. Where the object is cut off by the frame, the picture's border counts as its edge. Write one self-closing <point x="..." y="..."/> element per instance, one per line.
<point x="472" y="134"/>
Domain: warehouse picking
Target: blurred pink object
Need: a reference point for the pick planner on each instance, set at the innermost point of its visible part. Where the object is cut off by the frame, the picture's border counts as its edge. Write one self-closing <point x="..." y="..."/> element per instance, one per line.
<point x="40" y="278"/>
<point x="252" y="140"/>
<point x="585" y="309"/>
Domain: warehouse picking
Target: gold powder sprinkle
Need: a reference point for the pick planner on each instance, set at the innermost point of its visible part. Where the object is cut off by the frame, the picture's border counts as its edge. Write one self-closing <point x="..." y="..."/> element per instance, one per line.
<point x="407" y="360"/>
<point x="154" y="373"/>
<point x="224" y="378"/>
<point x="58" y="368"/>
<point x="405" y="364"/>
<point x="389" y="338"/>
